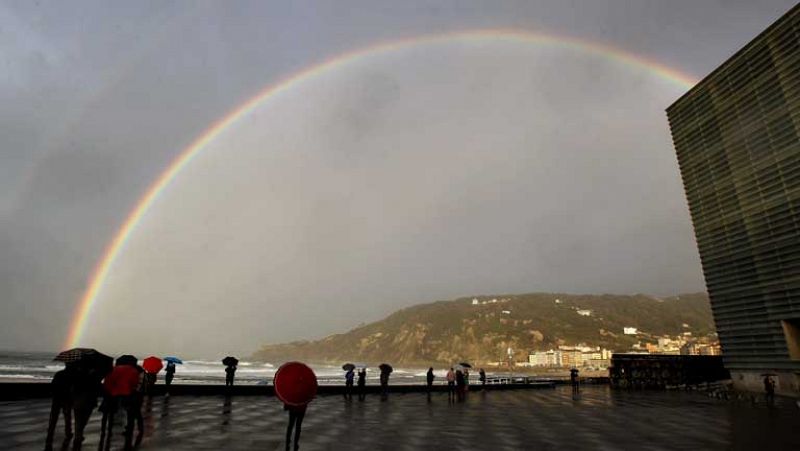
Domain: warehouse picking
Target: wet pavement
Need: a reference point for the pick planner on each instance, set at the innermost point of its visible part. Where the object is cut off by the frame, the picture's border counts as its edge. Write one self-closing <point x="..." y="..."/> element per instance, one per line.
<point x="598" y="418"/>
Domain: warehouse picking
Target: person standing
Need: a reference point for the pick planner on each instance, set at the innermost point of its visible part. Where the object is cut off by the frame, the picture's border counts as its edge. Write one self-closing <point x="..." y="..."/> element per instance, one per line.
<point x="296" y="415"/>
<point x="384" y="378"/>
<point x="429" y="379"/>
<point x="451" y="385"/>
<point x="230" y="373"/>
<point x="769" y="389"/>
<point x="460" y="388"/>
<point x="362" y="382"/>
<point x="349" y="376"/>
<point x="482" y="378"/>
<point x="62" y="404"/>
<point x="573" y="378"/>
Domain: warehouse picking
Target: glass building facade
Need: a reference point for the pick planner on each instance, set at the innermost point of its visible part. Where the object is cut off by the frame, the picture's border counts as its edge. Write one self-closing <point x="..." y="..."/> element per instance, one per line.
<point x="737" y="138"/>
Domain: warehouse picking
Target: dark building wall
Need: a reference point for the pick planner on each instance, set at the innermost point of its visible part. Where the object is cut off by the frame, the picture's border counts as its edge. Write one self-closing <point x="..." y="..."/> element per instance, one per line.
<point x="737" y="137"/>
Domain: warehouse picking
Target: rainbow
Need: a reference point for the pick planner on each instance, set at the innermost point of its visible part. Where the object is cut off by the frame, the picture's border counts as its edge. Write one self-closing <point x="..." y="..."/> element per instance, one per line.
<point x="117" y="244"/>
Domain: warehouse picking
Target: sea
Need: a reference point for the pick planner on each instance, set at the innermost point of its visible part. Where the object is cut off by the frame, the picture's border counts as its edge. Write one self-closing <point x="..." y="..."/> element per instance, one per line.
<point x="40" y="367"/>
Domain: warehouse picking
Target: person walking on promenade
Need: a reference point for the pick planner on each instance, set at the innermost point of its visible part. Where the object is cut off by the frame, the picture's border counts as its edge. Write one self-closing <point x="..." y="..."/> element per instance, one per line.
<point x="482" y="378"/>
<point x="451" y="385"/>
<point x="133" y="410"/>
<point x="460" y="388"/>
<point x="349" y="377"/>
<point x="362" y="382"/>
<point x="429" y="379"/>
<point x="230" y="373"/>
<point x="466" y="380"/>
<point x="86" y="388"/>
<point x="170" y="370"/>
<point x="62" y="403"/>
<point x="118" y="387"/>
<point x="296" y="415"/>
<point x="573" y="378"/>
<point x="384" y="378"/>
<point x="769" y="389"/>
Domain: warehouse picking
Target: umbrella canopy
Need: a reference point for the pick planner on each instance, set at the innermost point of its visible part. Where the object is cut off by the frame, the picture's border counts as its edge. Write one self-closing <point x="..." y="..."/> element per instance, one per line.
<point x="173" y="359"/>
<point x="127" y="359"/>
<point x="122" y="381"/>
<point x="74" y="354"/>
<point x="230" y="361"/>
<point x="385" y="368"/>
<point x="348" y="367"/>
<point x="769" y="374"/>
<point x="152" y="364"/>
<point x="465" y="365"/>
<point x="295" y="384"/>
<point x="91" y="359"/>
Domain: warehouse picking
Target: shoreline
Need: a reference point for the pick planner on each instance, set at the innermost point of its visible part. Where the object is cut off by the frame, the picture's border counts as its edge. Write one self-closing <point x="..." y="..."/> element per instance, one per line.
<point x="15" y="391"/>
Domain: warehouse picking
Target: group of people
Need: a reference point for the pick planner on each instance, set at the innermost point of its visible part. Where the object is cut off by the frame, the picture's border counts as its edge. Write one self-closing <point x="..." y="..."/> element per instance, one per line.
<point x="350" y="380"/>
<point x="457" y="382"/>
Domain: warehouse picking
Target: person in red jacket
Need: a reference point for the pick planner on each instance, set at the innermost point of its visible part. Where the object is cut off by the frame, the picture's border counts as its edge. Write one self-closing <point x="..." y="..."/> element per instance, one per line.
<point x="119" y="385"/>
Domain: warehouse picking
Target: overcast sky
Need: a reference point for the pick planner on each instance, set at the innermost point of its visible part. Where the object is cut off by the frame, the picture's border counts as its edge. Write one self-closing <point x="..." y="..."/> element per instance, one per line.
<point x="429" y="172"/>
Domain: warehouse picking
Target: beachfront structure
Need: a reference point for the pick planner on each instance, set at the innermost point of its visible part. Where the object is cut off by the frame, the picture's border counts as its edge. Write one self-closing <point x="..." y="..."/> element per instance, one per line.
<point x="738" y="147"/>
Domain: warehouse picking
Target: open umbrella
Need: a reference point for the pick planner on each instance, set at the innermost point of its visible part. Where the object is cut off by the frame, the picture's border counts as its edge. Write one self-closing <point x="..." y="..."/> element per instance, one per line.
<point x="74" y="354"/>
<point x="385" y="368"/>
<point x="127" y="359"/>
<point x="230" y="361"/>
<point x="173" y="359"/>
<point x="152" y="364"/>
<point x="91" y="359"/>
<point x="295" y="384"/>
<point x="348" y="367"/>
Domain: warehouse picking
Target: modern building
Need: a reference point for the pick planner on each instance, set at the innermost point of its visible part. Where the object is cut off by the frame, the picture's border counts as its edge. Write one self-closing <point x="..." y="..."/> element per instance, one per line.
<point x="737" y="137"/>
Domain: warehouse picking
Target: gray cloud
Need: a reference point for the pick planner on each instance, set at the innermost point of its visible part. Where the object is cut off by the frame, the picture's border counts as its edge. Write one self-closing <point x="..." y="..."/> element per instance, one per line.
<point x="421" y="175"/>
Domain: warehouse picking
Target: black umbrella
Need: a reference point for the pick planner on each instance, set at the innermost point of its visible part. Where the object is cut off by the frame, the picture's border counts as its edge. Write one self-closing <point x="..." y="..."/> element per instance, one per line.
<point x="385" y="368"/>
<point x="127" y="359"/>
<point x="465" y="365"/>
<point x="230" y="361"/>
<point x="87" y="358"/>
<point x="348" y="367"/>
<point x="74" y="354"/>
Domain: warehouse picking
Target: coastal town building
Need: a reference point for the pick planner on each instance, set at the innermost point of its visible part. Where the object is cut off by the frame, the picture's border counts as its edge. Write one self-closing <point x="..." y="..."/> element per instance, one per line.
<point x="737" y="138"/>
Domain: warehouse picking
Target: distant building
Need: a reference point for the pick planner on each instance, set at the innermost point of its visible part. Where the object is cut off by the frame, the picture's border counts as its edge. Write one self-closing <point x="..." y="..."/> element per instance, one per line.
<point x="475" y="302"/>
<point x="629" y="330"/>
<point x="737" y="138"/>
<point x="585" y="312"/>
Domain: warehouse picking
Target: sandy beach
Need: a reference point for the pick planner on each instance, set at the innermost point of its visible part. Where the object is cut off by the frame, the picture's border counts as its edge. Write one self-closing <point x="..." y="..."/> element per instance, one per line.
<point x="598" y="418"/>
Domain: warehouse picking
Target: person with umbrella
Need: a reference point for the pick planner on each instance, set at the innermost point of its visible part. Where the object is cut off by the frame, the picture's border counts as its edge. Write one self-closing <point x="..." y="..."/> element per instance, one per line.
<point x="62" y="403"/>
<point x="362" y="382"/>
<point x="460" y="384"/>
<point x="132" y="403"/>
<point x="482" y="378"/>
<point x="349" y="377"/>
<point x="295" y="385"/>
<point x="118" y="386"/>
<point x="152" y="365"/>
<point x="171" y="361"/>
<point x="230" y="369"/>
<point x="78" y="388"/>
<point x="386" y="370"/>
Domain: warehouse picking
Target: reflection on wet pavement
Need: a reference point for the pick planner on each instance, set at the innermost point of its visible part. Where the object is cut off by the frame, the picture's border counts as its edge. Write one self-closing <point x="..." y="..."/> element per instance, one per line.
<point x="594" y="418"/>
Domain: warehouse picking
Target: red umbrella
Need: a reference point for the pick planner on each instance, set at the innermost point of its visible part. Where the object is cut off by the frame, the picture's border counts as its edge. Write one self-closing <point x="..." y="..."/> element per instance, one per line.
<point x="152" y="364"/>
<point x="122" y="381"/>
<point x="295" y="384"/>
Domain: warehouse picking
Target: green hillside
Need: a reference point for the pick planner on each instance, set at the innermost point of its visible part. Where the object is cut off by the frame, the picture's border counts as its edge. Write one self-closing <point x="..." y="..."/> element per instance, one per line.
<point x="447" y="331"/>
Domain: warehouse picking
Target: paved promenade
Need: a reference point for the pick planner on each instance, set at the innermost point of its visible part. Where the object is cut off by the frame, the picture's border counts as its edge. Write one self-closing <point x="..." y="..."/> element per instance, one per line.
<point x="528" y="419"/>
